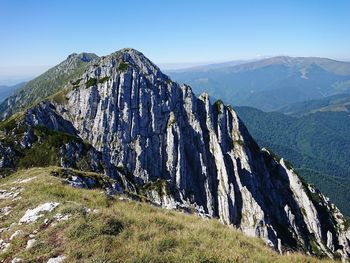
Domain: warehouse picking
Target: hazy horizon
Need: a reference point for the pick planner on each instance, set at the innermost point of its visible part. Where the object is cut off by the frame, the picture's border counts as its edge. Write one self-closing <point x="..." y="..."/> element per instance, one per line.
<point x="10" y="76"/>
<point x="40" y="34"/>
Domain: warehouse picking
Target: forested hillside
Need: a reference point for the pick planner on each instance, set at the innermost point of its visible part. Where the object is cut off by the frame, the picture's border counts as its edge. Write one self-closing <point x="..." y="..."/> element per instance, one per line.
<point x="318" y="145"/>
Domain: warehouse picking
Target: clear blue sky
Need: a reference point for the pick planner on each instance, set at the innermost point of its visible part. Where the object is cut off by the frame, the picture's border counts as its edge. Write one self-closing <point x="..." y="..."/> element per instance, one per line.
<point x="37" y="33"/>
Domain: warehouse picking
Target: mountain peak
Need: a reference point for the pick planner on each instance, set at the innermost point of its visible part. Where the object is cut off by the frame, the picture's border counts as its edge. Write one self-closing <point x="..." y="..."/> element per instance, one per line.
<point x="135" y="59"/>
<point x="129" y="50"/>
<point x="84" y="56"/>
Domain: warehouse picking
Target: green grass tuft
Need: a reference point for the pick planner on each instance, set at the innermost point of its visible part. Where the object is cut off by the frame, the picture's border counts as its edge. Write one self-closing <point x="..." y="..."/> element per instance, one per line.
<point x="112" y="227"/>
<point x="123" y="66"/>
<point x="103" y="80"/>
<point x="217" y="105"/>
<point x="91" y="82"/>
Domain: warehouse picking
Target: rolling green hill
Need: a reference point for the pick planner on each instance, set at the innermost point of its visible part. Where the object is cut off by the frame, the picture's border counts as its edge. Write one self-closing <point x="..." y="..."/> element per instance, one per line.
<point x="337" y="103"/>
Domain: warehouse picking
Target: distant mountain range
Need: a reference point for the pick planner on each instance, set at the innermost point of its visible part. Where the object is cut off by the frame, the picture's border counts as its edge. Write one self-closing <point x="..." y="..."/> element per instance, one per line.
<point x="269" y="84"/>
<point x="335" y="103"/>
<point x="206" y="66"/>
<point x="6" y="90"/>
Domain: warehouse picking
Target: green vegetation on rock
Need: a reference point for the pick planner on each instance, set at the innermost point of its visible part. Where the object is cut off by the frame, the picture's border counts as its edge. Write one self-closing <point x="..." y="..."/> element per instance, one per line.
<point x="123" y="66"/>
<point x="160" y="186"/>
<point x="218" y="104"/>
<point x="91" y="82"/>
<point x="45" y="148"/>
<point x="103" y="80"/>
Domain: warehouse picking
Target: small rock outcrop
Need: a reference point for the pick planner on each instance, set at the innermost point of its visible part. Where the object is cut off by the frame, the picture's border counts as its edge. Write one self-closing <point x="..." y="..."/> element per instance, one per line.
<point x="17" y="234"/>
<point x="32" y="215"/>
<point x="30" y="243"/>
<point x="58" y="259"/>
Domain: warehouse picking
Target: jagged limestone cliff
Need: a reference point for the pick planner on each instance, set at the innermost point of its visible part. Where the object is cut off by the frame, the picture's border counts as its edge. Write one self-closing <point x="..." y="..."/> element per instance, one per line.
<point x="185" y="152"/>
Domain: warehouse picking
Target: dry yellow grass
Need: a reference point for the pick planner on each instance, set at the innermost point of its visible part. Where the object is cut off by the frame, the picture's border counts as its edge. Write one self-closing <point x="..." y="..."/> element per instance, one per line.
<point x="120" y="231"/>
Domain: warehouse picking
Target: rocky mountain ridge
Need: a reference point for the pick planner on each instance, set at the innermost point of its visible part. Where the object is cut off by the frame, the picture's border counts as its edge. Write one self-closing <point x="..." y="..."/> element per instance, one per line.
<point x="46" y="84"/>
<point x="149" y="130"/>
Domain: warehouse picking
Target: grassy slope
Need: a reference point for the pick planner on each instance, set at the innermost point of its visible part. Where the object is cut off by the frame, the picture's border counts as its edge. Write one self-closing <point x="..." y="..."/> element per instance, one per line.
<point x="121" y="230"/>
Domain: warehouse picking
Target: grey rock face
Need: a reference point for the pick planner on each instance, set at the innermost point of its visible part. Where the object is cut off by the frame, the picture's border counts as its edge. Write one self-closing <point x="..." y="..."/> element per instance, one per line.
<point x="27" y="139"/>
<point x="7" y="156"/>
<point x="154" y="129"/>
<point x="79" y="182"/>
